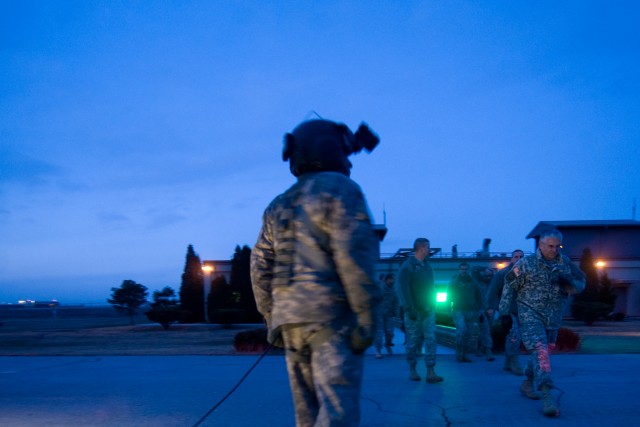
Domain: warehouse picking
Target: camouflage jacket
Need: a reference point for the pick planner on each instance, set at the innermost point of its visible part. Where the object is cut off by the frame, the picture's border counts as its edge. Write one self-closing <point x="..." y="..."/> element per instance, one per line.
<point x="533" y="283"/>
<point x="415" y="285"/>
<point x="314" y="258"/>
<point x="465" y="293"/>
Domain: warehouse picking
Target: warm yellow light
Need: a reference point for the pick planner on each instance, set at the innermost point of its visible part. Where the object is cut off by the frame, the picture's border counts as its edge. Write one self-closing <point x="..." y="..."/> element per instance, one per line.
<point x="207" y="268"/>
<point x="501" y="265"/>
<point x="601" y="264"/>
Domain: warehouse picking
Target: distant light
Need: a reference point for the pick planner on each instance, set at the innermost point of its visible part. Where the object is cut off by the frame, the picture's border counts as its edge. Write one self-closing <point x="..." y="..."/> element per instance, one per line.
<point x="601" y="264"/>
<point x="501" y="265"/>
<point x="441" y="297"/>
<point x="207" y="268"/>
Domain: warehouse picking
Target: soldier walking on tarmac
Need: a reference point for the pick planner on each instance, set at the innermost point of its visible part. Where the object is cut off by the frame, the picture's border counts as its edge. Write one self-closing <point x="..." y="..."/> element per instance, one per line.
<point x="417" y="296"/>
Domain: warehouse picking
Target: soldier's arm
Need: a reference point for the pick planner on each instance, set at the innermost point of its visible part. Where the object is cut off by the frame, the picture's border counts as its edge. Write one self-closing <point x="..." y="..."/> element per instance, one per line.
<point x="511" y="285"/>
<point x="403" y="287"/>
<point x="353" y="244"/>
<point x="493" y="292"/>
<point x="578" y="282"/>
<point x="262" y="265"/>
<point x="451" y="293"/>
<point x="480" y="302"/>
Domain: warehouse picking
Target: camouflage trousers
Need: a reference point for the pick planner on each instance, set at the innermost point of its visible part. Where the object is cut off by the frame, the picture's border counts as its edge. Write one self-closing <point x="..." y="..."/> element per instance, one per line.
<point x="484" y="331"/>
<point x="421" y="333"/>
<point x="537" y="340"/>
<point x="324" y="374"/>
<point x="512" y="342"/>
<point x="385" y="331"/>
<point x="464" y="321"/>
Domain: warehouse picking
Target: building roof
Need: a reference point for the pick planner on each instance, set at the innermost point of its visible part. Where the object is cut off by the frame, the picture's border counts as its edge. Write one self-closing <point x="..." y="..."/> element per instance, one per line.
<point x="616" y="223"/>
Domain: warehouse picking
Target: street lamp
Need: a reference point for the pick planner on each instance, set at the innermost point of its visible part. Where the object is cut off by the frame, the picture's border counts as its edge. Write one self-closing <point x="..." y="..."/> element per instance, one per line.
<point x="207" y="270"/>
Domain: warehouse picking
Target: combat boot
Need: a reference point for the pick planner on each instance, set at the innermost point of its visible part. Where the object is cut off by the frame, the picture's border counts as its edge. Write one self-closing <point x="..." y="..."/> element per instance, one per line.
<point x="413" y="373"/>
<point x="389" y="350"/>
<point x="514" y="365"/>
<point x="432" y="377"/>
<point x="549" y="405"/>
<point x="527" y="389"/>
<point x="489" y="355"/>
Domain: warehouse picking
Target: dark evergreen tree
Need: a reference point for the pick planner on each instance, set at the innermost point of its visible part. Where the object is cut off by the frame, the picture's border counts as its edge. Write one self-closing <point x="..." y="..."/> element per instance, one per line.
<point x="588" y="266"/>
<point x="241" y="283"/>
<point x="192" y="288"/>
<point x="224" y="303"/>
<point x="128" y="298"/>
<point x="605" y="292"/>
<point x="165" y="308"/>
<point x="597" y="300"/>
<point x="219" y="295"/>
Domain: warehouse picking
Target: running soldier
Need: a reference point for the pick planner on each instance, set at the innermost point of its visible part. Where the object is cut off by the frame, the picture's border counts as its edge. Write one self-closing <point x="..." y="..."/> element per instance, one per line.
<point x="417" y="297"/>
<point x="540" y="284"/>
<point x="312" y="273"/>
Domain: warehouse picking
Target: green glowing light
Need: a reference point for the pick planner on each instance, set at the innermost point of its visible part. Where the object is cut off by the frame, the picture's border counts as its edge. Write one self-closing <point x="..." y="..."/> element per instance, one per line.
<point x="441" y="297"/>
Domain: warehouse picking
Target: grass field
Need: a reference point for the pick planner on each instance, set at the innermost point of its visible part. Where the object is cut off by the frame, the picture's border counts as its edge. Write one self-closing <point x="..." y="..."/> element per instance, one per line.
<point x="101" y="331"/>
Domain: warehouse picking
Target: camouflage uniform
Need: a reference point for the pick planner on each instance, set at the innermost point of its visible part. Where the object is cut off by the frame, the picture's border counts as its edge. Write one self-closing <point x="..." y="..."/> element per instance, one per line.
<point x="417" y="297"/>
<point x="533" y="283"/>
<point x="312" y="275"/>
<point x="467" y="302"/>
<point x="387" y="314"/>
<point x="494" y="293"/>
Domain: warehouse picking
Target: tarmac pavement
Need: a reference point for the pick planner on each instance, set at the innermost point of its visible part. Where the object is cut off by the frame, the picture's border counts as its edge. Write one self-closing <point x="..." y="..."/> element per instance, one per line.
<point x="592" y="390"/>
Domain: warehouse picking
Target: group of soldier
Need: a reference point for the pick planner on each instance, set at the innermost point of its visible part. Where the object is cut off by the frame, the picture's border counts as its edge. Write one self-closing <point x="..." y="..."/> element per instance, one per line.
<point x="312" y="273"/>
<point x="528" y="296"/>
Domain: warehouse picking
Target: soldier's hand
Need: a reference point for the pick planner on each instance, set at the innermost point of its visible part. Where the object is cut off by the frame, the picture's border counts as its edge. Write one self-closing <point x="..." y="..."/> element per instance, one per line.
<point x="361" y="339"/>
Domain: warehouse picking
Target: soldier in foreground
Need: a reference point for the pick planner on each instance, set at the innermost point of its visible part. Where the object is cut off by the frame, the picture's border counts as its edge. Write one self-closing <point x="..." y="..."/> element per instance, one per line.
<point x="417" y="297"/>
<point x="312" y="273"/>
<point x="540" y="285"/>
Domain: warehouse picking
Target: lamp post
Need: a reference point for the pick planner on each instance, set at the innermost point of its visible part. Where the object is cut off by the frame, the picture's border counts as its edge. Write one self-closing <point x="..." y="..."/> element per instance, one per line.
<point x="207" y="270"/>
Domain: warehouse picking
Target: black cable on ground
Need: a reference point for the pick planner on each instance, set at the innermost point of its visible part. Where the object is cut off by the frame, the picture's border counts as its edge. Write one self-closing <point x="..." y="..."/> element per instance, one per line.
<point x="204" y="417"/>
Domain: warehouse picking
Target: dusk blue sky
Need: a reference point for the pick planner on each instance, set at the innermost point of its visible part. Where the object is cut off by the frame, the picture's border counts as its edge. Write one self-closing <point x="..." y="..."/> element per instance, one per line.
<point x="129" y="130"/>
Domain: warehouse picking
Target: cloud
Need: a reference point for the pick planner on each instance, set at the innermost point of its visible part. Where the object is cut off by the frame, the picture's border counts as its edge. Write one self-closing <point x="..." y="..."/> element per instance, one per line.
<point x="160" y="219"/>
<point x="16" y="167"/>
<point x="114" y="219"/>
